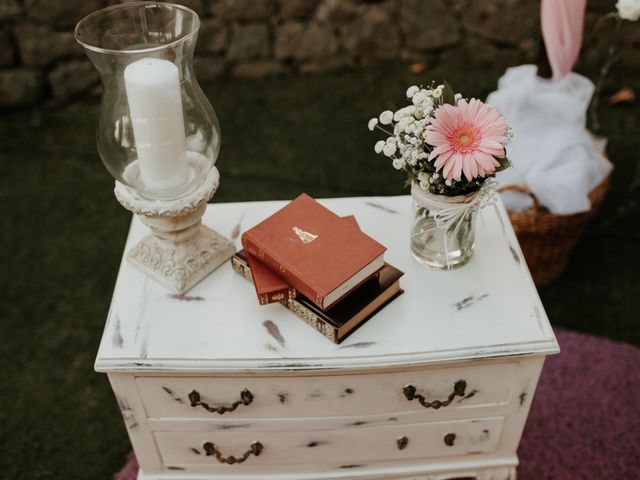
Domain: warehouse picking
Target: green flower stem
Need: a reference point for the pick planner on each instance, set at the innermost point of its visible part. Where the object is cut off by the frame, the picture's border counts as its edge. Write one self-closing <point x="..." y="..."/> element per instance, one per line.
<point x="384" y="130"/>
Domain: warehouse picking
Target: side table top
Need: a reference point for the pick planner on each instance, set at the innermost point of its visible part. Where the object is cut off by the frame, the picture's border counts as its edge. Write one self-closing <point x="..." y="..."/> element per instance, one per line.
<point x="488" y="308"/>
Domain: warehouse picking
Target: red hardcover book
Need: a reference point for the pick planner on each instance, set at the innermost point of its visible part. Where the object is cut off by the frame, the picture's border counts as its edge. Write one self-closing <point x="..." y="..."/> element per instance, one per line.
<point x="314" y="250"/>
<point x="346" y="316"/>
<point x="269" y="286"/>
<point x="351" y="219"/>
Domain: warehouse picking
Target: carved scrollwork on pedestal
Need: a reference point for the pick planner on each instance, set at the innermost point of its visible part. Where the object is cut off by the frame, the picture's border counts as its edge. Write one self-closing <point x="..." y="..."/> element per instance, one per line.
<point x="192" y="256"/>
<point x="139" y="205"/>
<point x="181" y="251"/>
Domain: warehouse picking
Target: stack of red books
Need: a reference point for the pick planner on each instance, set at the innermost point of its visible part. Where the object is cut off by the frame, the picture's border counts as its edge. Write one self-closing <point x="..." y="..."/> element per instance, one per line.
<point x="320" y="266"/>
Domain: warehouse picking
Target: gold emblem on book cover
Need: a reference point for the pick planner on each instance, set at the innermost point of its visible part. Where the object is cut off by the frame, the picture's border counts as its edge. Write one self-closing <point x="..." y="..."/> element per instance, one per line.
<point x="305" y="237"/>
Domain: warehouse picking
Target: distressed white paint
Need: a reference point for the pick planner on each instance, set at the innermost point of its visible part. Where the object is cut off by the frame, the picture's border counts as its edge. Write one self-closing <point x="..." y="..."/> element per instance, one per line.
<point x="286" y="448"/>
<point x="165" y="444"/>
<point x="219" y="325"/>
<point x="482" y="323"/>
<point x="326" y="396"/>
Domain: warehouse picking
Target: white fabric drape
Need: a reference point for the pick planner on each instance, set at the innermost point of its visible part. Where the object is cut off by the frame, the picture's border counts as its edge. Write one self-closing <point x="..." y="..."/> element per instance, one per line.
<point x="552" y="152"/>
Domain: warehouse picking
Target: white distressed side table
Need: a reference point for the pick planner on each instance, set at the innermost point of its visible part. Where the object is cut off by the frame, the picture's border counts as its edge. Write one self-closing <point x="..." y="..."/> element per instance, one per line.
<point x="436" y="386"/>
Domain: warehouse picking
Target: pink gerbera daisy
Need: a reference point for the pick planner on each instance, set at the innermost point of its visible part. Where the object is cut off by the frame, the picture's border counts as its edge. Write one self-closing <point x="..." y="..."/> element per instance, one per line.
<point x="467" y="138"/>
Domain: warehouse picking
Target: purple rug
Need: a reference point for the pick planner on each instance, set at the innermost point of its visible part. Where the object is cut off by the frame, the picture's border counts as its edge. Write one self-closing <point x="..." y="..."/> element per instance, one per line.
<point x="585" y="419"/>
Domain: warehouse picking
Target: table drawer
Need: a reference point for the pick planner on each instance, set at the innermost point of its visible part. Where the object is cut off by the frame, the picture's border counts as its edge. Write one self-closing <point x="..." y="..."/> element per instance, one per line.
<point x="442" y="389"/>
<point x="339" y="447"/>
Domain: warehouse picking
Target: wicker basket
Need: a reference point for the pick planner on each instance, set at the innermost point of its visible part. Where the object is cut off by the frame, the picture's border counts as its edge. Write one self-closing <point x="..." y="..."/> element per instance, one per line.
<point x="547" y="239"/>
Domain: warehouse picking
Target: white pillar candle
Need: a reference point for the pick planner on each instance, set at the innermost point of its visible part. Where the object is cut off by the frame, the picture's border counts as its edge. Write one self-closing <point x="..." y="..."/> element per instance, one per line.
<point x="155" y="104"/>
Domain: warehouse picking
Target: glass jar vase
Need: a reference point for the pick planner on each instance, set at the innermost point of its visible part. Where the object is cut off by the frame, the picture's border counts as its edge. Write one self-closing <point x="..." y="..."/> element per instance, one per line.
<point x="442" y="229"/>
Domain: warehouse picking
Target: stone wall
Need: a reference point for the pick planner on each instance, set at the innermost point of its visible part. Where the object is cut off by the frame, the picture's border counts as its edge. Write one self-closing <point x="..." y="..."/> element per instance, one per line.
<point x="40" y="61"/>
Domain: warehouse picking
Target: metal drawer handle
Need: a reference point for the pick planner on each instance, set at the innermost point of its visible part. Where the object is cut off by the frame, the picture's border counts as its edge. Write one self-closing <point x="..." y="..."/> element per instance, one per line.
<point x="458" y="391"/>
<point x="246" y="397"/>
<point x="449" y="438"/>
<point x="210" y="449"/>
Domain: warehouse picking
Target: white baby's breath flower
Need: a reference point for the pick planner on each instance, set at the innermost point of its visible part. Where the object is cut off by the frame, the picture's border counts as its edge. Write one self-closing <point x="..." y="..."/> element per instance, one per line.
<point x="424" y="185"/>
<point x="629" y="9"/>
<point x="412" y="90"/>
<point x="448" y="182"/>
<point x="403" y="123"/>
<point x="389" y="149"/>
<point x="391" y="140"/>
<point x="423" y="176"/>
<point x="379" y="146"/>
<point x="404" y="112"/>
<point x="372" y="123"/>
<point x="457" y="97"/>
<point x="419" y="97"/>
<point x="437" y="93"/>
<point x="386" y="117"/>
<point x="397" y="163"/>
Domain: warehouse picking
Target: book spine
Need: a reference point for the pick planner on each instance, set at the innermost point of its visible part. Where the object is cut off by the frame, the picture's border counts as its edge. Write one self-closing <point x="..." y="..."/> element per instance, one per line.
<point x="278" y="296"/>
<point x="295" y="307"/>
<point x="274" y="264"/>
<point x="241" y="268"/>
<point x="312" y="319"/>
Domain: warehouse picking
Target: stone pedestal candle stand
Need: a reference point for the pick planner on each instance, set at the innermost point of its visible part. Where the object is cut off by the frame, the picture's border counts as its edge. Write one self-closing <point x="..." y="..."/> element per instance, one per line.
<point x="180" y="250"/>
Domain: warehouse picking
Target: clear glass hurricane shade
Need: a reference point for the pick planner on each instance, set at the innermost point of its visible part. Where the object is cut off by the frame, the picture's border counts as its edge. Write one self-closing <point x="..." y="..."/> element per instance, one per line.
<point x="157" y="132"/>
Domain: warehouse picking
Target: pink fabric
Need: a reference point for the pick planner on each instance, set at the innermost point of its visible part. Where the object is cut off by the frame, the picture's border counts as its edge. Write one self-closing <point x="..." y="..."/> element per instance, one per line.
<point x="562" y="24"/>
<point x="130" y="469"/>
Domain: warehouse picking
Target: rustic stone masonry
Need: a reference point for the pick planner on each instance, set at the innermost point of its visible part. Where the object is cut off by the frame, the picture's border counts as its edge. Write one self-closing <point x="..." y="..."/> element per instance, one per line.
<point x="40" y="60"/>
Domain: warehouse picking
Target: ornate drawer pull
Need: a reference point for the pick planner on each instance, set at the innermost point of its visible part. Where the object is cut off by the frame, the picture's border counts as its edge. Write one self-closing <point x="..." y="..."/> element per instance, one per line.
<point x="458" y="391"/>
<point x="210" y="449"/>
<point x="246" y="397"/>
<point x="449" y="438"/>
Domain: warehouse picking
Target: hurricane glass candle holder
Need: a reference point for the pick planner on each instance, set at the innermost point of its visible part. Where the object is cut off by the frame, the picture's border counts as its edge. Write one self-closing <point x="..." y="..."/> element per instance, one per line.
<point x="158" y="135"/>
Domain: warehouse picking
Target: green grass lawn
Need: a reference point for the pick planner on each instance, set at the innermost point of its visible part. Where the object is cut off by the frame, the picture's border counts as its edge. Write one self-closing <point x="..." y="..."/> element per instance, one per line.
<point x="63" y="233"/>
